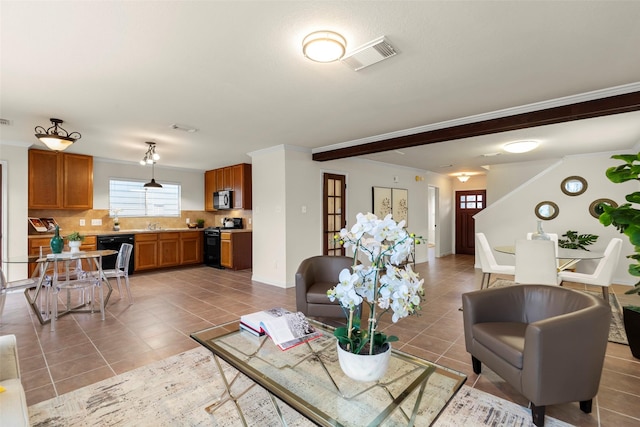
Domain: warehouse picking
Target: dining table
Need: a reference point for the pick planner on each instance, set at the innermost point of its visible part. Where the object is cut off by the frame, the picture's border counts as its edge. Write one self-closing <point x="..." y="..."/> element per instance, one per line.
<point x="54" y="269"/>
<point x="567" y="258"/>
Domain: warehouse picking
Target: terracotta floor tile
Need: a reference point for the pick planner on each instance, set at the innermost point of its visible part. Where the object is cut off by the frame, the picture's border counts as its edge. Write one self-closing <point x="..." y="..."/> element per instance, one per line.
<point x="171" y="304"/>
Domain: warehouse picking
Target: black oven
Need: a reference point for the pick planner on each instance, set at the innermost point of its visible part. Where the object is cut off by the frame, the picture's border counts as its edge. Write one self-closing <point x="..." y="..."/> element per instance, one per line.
<point x="212" y="247"/>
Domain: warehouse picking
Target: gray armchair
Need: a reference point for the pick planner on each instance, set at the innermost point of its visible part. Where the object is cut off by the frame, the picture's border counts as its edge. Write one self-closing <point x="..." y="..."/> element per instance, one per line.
<point x="547" y="342"/>
<point x="315" y="276"/>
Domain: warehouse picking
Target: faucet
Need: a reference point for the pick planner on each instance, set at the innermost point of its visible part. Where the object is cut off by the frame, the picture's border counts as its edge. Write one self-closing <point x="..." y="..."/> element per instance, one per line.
<point x="153" y="226"/>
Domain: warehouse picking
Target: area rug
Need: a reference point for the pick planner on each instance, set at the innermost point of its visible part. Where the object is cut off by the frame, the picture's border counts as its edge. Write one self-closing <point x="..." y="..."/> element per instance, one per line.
<point x="616" y="328"/>
<point x="175" y="391"/>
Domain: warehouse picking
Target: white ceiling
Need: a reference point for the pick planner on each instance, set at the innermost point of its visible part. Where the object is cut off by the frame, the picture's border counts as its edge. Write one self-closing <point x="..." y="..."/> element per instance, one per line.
<point x="121" y="72"/>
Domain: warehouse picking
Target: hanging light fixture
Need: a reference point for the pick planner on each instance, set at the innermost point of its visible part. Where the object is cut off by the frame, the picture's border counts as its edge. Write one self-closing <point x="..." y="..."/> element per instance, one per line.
<point x="463" y="177"/>
<point x="324" y="46"/>
<point x="55" y="137"/>
<point x="150" y="158"/>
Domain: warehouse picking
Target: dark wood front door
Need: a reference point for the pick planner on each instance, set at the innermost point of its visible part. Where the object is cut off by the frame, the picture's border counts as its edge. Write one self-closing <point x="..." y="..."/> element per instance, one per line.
<point x="468" y="203"/>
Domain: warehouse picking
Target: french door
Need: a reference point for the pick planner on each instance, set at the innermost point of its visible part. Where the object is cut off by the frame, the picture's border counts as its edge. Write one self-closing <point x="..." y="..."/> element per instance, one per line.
<point x="333" y="212"/>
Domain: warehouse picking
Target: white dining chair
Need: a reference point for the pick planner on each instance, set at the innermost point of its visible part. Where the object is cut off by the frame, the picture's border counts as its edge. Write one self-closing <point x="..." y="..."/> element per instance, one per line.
<point x="488" y="262"/>
<point x="536" y="262"/>
<point x="121" y="269"/>
<point x="603" y="273"/>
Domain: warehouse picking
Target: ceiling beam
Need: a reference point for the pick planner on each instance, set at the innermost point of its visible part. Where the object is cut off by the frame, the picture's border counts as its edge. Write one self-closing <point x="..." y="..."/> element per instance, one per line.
<point x="582" y="110"/>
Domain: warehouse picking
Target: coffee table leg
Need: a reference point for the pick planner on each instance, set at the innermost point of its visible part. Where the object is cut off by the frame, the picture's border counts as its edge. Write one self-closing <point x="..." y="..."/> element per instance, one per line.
<point x="229" y="395"/>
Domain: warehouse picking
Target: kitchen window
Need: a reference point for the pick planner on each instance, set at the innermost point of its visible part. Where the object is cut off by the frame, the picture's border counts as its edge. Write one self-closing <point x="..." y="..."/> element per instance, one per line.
<point x="129" y="198"/>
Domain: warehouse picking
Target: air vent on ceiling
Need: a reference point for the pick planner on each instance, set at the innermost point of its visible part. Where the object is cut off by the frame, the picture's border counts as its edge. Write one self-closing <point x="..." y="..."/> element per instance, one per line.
<point x="369" y="54"/>
<point x="5" y="122"/>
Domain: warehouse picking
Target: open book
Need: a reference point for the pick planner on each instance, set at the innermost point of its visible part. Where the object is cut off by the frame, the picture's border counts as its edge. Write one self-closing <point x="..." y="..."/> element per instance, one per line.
<point x="285" y="328"/>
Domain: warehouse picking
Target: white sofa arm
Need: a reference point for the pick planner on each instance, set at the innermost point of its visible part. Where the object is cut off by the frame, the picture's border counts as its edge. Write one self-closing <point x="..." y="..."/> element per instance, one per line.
<point x="13" y="402"/>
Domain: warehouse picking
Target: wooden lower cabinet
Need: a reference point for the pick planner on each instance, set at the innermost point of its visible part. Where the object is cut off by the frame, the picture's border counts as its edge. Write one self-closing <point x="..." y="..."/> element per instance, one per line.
<point x="145" y="251"/>
<point x="191" y="248"/>
<point x="168" y="249"/>
<point x="235" y="250"/>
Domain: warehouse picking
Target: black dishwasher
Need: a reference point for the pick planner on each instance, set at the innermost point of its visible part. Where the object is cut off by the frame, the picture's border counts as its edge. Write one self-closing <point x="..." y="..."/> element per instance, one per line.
<point x="114" y="242"/>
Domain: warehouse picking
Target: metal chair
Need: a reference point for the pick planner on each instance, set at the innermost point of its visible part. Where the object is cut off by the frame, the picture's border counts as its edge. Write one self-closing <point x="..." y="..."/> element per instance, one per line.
<point x="488" y="262"/>
<point x="603" y="274"/>
<point x="121" y="269"/>
<point x="536" y="262"/>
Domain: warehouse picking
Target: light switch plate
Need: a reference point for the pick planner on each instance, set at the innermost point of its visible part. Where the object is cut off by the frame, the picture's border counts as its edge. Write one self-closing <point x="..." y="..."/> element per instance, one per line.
<point x="82" y="223"/>
<point x="96" y="222"/>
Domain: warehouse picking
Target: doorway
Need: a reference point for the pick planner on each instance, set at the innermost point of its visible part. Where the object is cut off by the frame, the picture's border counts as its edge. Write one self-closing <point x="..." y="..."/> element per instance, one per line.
<point x="468" y="203"/>
<point x="333" y="212"/>
<point x="432" y="224"/>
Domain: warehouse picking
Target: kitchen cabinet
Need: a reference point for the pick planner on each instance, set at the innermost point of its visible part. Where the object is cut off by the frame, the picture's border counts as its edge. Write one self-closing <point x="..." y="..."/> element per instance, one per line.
<point x="168" y="249"/>
<point x="236" y="178"/>
<point x="60" y="180"/>
<point x="145" y="251"/>
<point x="191" y="248"/>
<point x="235" y="250"/>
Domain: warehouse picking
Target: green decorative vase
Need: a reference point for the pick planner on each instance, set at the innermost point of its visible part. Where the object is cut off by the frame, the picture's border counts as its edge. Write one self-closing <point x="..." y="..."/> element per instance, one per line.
<point x="56" y="242"/>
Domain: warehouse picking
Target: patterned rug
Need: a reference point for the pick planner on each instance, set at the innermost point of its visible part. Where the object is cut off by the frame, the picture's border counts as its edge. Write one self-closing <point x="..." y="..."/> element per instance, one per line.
<point x="175" y="391"/>
<point x="616" y="329"/>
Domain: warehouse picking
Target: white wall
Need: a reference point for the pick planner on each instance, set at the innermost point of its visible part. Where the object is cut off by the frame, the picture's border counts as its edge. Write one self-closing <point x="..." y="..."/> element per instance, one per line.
<point x="15" y="160"/>
<point x="192" y="182"/>
<point x="513" y="216"/>
<point x="287" y="176"/>
<point x="518" y="173"/>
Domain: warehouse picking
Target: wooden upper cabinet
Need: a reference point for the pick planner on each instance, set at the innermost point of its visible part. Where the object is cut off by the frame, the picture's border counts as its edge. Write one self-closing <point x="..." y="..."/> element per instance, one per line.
<point x="236" y="178"/>
<point x="241" y="179"/>
<point x="77" y="179"/>
<point x="210" y="185"/>
<point x="60" y="180"/>
<point x="45" y="180"/>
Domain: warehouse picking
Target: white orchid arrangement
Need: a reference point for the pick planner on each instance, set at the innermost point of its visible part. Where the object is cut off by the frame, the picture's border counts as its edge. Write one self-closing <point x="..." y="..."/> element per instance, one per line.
<point x="387" y="245"/>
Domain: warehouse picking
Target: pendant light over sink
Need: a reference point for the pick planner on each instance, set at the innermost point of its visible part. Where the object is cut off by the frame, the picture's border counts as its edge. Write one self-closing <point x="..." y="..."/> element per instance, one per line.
<point x="150" y="158"/>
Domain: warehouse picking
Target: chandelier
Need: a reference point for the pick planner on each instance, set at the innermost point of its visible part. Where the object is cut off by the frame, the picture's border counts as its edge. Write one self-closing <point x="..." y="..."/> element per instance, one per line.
<point x="55" y="137"/>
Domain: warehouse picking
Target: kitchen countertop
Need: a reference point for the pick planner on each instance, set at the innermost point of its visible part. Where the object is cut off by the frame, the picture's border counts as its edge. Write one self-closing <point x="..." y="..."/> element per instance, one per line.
<point x="140" y="231"/>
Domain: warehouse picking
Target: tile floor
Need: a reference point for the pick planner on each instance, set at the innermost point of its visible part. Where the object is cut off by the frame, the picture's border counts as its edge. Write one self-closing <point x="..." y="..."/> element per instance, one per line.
<point x="170" y="304"/>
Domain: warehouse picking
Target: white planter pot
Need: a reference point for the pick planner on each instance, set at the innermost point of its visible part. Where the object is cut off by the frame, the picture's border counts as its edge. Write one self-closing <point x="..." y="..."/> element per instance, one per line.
<point x="74" y="246"/>
<point x="363" y="367"/>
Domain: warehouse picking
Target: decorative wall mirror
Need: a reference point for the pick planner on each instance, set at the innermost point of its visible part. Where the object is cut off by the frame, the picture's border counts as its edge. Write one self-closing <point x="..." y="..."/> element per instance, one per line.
<point x="547" y="210"/>
<point x="596" y="210"/>
<point x="573" y="185"/>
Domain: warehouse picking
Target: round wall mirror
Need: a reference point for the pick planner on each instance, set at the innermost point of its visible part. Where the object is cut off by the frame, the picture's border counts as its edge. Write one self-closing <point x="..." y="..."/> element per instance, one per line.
<point x="596" y="210"/>
<point x="547" y="210"/>
<point x="573" y="185"/>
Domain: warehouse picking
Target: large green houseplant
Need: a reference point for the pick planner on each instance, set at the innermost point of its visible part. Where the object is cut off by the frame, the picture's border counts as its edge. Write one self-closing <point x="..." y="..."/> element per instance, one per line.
<point x="626" y="219"/>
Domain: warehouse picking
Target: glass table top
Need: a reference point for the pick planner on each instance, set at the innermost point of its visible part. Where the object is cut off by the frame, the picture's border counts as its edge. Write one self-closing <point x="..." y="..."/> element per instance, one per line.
<point x="309" y="379"/>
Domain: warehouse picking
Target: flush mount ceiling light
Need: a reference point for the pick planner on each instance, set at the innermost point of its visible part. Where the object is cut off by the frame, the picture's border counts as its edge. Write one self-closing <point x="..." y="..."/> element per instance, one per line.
<point x="520" y="146"/>
<point x="150" y="158"/>
<point x="324" y="46"/>
<point x="463" y="177"/>
<point x="56" y="138"/>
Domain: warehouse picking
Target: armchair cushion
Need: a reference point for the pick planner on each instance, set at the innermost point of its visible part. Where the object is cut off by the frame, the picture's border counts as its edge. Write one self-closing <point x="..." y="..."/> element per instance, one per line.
<point x="315" y="276"/>
<point x="506" y="339"/>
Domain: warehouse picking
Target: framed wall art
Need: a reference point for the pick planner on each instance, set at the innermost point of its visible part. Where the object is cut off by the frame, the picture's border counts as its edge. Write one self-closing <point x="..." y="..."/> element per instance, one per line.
<point x="393" y="201"/>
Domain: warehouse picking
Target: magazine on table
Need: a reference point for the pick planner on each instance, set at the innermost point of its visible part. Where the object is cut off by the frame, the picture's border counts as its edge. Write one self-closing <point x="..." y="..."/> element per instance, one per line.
<point x="285" y="328"/>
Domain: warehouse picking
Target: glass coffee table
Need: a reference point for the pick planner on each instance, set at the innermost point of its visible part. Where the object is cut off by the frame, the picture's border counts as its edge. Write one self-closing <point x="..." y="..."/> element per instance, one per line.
<point x="309" y="379"/>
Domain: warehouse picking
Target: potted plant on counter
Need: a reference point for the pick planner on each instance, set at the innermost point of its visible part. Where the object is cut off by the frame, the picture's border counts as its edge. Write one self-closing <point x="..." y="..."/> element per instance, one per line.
<point x="200" y="222"/>
<point x="75" y="240"/>
<point x="626" y="219"/>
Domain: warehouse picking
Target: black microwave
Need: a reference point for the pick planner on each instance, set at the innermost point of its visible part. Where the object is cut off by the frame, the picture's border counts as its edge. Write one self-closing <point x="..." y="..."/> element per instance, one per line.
<point x="223" y="199"/>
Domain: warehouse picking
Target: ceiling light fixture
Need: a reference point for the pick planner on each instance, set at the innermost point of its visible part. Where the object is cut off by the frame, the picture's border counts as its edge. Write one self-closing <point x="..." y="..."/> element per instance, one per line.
<point x="55" y="137"/>
<point x="324" y="46"/>
<point x="463" y="177"/>
<point x="150" y="158"/>
<point x="520" y="146"/>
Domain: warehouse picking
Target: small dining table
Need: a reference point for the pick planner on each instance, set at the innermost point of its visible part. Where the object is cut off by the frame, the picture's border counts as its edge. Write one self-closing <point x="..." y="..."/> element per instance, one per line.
<point x="35" y="286"/>
<point x="566" y="257"/>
